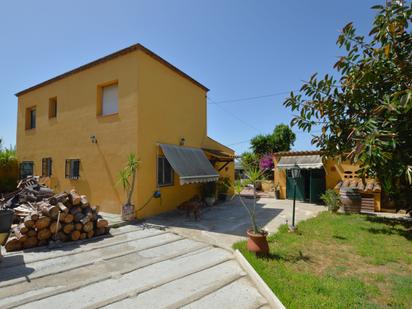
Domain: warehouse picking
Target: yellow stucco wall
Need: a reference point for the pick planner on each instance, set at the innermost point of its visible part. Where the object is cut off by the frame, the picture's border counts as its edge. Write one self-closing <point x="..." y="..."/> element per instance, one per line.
<point x="68" y="135"/>
<point x="156" y="105"/>
<point x="170" y="108"/>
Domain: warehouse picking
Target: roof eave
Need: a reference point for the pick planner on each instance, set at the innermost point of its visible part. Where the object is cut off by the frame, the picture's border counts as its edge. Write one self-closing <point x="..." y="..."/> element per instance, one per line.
<point x="110" y="57"/>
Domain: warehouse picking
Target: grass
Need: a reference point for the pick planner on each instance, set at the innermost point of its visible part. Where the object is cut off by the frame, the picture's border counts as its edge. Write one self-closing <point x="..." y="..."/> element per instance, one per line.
<point x="339" y="261"/>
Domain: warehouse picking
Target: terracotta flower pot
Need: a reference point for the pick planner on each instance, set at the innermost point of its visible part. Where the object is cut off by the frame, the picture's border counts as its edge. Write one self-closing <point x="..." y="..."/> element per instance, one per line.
<point x="258" y="243"/>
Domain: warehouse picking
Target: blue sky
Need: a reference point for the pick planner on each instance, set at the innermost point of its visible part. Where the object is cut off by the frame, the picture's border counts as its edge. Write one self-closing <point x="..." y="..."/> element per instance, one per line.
<point x="238" y="49"/>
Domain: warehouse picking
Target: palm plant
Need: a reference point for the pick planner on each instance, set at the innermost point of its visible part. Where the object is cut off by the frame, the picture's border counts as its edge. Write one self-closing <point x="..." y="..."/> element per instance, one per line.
<point x="127" y="176"/>
<point x="253" y="175"/>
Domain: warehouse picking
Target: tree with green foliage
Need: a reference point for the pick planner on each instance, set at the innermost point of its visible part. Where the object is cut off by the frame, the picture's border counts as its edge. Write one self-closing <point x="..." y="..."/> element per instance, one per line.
<point x="8" y="167"/>
<point x="281" y="139"/>
<point x="366" y="112"/>
<point x="249" y="160"/>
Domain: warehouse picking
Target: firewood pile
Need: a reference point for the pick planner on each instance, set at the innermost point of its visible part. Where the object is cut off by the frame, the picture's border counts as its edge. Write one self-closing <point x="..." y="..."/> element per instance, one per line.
<point x="42" y="216"/>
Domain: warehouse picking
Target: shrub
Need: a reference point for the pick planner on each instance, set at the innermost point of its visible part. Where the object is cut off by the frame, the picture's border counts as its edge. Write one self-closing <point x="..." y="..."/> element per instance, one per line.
<point x="332" y="200"/>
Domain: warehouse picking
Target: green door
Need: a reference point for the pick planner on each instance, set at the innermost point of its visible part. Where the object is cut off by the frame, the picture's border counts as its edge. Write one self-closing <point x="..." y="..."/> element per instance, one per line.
<point x="300" y="187"/>
<point x="317" y="185"/>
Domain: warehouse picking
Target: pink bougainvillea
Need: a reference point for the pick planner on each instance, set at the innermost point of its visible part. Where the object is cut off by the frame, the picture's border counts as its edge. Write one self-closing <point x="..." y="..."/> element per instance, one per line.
<point x="266" y="162"/>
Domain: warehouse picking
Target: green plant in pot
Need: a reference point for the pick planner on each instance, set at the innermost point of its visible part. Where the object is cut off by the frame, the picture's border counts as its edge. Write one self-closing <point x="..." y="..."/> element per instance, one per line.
<point x="209" y="192"/>
<point x="127" y="178"/>
<point x="257" y="237"/>
<point x="332" y="200"/>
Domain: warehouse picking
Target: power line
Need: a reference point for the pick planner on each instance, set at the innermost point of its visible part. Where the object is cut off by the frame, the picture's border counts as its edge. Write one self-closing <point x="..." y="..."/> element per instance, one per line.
<point x="236" y="117"/>
<point x="251" y="98"/>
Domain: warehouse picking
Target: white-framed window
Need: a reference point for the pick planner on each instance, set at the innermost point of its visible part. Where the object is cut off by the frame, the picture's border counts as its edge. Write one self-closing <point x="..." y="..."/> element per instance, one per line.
<point x="164" y="172"/>
<point x="110" y="100"/>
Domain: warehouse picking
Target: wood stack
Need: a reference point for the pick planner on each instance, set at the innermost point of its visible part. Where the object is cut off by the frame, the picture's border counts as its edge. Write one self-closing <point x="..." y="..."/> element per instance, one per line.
<point x="64" y="217"/>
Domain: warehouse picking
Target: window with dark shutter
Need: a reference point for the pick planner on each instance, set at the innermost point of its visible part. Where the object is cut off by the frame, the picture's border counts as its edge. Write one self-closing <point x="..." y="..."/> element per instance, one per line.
<point x="72" y="169"/>
<point x="46" y="167"/>
<point x="164" y="172"/>
<point x="26" y="169"/>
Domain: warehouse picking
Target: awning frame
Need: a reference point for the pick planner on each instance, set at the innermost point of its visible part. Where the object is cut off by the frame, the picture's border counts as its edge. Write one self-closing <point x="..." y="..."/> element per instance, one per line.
<point x="189" y="161"/>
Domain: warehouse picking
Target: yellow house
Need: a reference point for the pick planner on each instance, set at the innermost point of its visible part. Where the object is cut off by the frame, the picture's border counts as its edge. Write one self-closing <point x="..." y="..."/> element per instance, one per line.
<point x="79" y="127"/>
<point x="317" y="174"/>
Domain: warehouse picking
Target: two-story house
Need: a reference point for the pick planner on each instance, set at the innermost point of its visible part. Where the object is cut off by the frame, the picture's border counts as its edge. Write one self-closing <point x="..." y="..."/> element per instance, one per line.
<point x="78" y="129"/>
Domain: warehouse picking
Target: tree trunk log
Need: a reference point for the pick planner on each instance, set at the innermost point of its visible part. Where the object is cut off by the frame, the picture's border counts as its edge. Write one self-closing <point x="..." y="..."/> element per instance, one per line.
<point x="102" y="223"/>
<point x="75" y="235"/>
<point x="43" y="223"/>
<point x="68" y="228"/>
<point x="88" y="227"/>
<point x="74" y="198"/>
<point x="44" y="234"/>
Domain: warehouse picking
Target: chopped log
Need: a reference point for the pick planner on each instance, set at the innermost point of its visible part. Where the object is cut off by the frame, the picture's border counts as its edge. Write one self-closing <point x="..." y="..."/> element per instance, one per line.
<point x="85" y="219"/>
<point x="68" y="228"/>
<point x="22" y="228"/>
<point x="62" y="217"/>
<point x="48" y="210"/>
<point x="29" y="222"/>
<point x="83" y="201"/>
<point x="75" y="235"/>
<point x="63" y="208"/>
<point x="20" y="236"/>
<point x="74" y="198"/>
<point x="30" y="242"/>
<point x="100" y="231"/>
<point x="102" y="223"/>
<point x="74" y="210"/>
<point x="34" y="215"/>
<point x="42" y="223"/>
<point x="78" y="216"/>
<point x="62" y="236"/>
<point x="55" y="227"/>
<point x="32" y="233"/>
<point x="13" y="244"/>
<point x="58" y="198"/>
<point x="68" y="218"/>
<point x="90" y="233"/>
<point x="88" y="227"/>
<point x="44" y="234"/>
<point x="83" y="236"/>
<point x="78" y="226"/>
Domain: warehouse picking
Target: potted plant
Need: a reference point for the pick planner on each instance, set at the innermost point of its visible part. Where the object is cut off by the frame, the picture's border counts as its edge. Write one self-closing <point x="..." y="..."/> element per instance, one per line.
<point x="277" y="191"/>
<point x="127" y="177"/>
<point x="209" y="193"/>
<point x="257" y="237"/>
<point x="332" y="200"/>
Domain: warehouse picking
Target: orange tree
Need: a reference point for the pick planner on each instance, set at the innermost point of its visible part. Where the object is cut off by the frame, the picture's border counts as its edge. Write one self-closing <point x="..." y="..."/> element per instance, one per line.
<point x="366" y="111"/>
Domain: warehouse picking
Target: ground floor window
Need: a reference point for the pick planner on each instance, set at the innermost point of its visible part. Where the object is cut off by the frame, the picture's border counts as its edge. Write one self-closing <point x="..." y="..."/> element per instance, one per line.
<point x="46" y="167"/>
<point x="72" y="170"/>
<point x="164" y="172"/>
<point x="26" y="169"/>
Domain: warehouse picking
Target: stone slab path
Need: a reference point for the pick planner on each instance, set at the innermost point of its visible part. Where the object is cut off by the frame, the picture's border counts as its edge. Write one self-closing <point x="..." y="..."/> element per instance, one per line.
<point x="135" y="267"/>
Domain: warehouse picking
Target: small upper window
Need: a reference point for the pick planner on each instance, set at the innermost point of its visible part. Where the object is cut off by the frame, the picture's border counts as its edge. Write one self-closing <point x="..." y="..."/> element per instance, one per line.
<point x="46" y="167"/>
<point x="26" y="169"/>
<point x="31" y="118"/>
<point x="164" y="172"/>
<point x="109" y="100"/>
<point x="53" y="107"/>
<point x="72" y="170"/>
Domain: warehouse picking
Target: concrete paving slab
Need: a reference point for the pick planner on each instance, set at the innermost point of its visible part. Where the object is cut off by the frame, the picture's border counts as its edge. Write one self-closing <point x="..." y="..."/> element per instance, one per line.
<point x="238" y="294"/>
<point x="226" y="223"/>
<point x="136" y="267"/>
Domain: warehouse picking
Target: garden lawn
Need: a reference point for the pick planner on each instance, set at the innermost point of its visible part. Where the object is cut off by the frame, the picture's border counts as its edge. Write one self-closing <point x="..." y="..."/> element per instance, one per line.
<point x="339" y="261"/>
